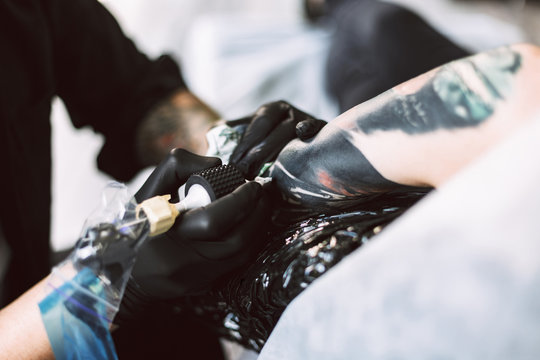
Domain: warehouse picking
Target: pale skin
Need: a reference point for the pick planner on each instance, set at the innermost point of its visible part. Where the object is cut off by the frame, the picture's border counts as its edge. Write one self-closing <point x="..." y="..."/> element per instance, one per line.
<point x="445" y="152"/>
<point x="420" y="133"/>
<point x="23" y="332"/>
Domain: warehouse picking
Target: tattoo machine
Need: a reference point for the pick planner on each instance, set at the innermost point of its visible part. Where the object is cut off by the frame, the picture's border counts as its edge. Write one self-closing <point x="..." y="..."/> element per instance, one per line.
<point x="85" y="290"/>
<point x="200" y="190"/>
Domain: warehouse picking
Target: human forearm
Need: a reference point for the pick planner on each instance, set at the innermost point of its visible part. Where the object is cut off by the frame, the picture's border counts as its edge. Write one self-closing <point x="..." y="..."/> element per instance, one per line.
<point x="429" y="128"/>
<point x="421" y="132"/>
<point x="22" y="333"/>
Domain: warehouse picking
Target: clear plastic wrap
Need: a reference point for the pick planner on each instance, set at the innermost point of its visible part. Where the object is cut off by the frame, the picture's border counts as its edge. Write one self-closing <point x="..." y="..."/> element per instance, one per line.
<point x="85" y="290"/>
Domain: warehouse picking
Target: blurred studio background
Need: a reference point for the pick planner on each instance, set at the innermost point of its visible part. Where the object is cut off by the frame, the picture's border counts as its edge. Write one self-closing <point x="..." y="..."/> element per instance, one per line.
<point x="237" y="55"/>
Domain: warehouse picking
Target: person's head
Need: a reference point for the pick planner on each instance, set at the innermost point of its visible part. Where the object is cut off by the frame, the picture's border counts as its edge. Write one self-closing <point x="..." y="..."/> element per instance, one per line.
<point x="180" y="121"/>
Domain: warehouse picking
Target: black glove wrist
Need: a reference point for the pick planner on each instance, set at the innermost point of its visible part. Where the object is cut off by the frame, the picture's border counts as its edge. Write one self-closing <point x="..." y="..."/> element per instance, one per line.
<point x="134" y="301"/>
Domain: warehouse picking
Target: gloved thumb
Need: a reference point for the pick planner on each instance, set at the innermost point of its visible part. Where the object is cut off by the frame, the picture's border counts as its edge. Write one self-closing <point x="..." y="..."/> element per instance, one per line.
<point x="307" y="129"/>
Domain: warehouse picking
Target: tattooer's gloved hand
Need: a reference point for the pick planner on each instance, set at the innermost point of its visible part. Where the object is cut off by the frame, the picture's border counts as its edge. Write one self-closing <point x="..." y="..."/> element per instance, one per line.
<point x="271" y="127"/>
<point x="204" y="244"/>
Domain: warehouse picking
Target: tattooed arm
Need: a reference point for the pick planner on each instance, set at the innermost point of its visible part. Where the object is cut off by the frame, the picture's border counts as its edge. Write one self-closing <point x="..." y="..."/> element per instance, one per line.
<point x="419" y="133"/>
<point x="182" y="120"/>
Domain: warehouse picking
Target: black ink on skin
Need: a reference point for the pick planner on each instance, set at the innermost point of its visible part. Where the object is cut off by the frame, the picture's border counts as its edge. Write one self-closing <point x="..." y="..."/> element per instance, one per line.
<point x="323" y="181"/>
<point x="331" y="172"/>
<point x="452" y="101"/>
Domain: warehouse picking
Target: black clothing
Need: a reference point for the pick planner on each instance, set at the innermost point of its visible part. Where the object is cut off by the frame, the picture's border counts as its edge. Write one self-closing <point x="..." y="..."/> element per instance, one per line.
<point x="378" y="45"/>
<point x="76" y="50"/>
<point x="167" y="333"/>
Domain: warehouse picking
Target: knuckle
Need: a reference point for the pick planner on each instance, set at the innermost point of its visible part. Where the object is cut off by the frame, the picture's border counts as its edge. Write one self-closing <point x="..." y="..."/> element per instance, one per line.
<point x="176" y="152"/>
<point x="284" y="105"/>
<point x="175" y="155"/>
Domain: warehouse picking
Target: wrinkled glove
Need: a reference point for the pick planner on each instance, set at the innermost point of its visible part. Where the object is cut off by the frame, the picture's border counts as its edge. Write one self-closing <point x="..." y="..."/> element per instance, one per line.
<point x="271" y="127"/>
<point x="204" y="244"/>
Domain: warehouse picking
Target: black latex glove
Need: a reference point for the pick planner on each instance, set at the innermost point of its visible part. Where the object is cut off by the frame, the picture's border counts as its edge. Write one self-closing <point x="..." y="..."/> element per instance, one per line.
<point x="271" y="127"/>
<point x="204" y="244"/>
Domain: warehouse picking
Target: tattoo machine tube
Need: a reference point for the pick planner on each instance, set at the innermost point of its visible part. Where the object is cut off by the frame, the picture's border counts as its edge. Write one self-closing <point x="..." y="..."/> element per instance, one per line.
<point x="200" y="190"/>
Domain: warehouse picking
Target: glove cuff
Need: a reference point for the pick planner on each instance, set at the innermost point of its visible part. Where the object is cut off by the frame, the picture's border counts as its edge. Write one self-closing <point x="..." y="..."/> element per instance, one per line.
<point x="134" y="302"/>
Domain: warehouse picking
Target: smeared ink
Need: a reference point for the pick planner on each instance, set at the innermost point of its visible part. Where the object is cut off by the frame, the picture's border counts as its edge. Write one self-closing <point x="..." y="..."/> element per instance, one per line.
<point x="248" y="306"/>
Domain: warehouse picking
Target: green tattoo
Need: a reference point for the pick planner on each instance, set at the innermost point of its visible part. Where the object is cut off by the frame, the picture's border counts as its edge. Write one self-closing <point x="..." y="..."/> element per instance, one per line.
<point x="461" y="94"/>
<point x="471" y="88"/>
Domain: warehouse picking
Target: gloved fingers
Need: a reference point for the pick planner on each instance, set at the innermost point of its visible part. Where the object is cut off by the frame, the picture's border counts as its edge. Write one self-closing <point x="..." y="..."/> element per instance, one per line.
<point x="243" y="240"/>
<point x="262" y="123"/>
<point x="242" y="121"/>
<point x="267" y="150"/>
<point x="173" y="172"/>
<point x="211" y="222"/>
<point x="307" y="129"/>
<point x="189" y="163"/>
<point x="204" y="245"/>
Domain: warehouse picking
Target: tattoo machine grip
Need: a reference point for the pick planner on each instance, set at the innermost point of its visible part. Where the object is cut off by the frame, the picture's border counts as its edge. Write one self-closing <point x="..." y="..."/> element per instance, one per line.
<point x="217" y="181"/>
<point x="200" y="189"/>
